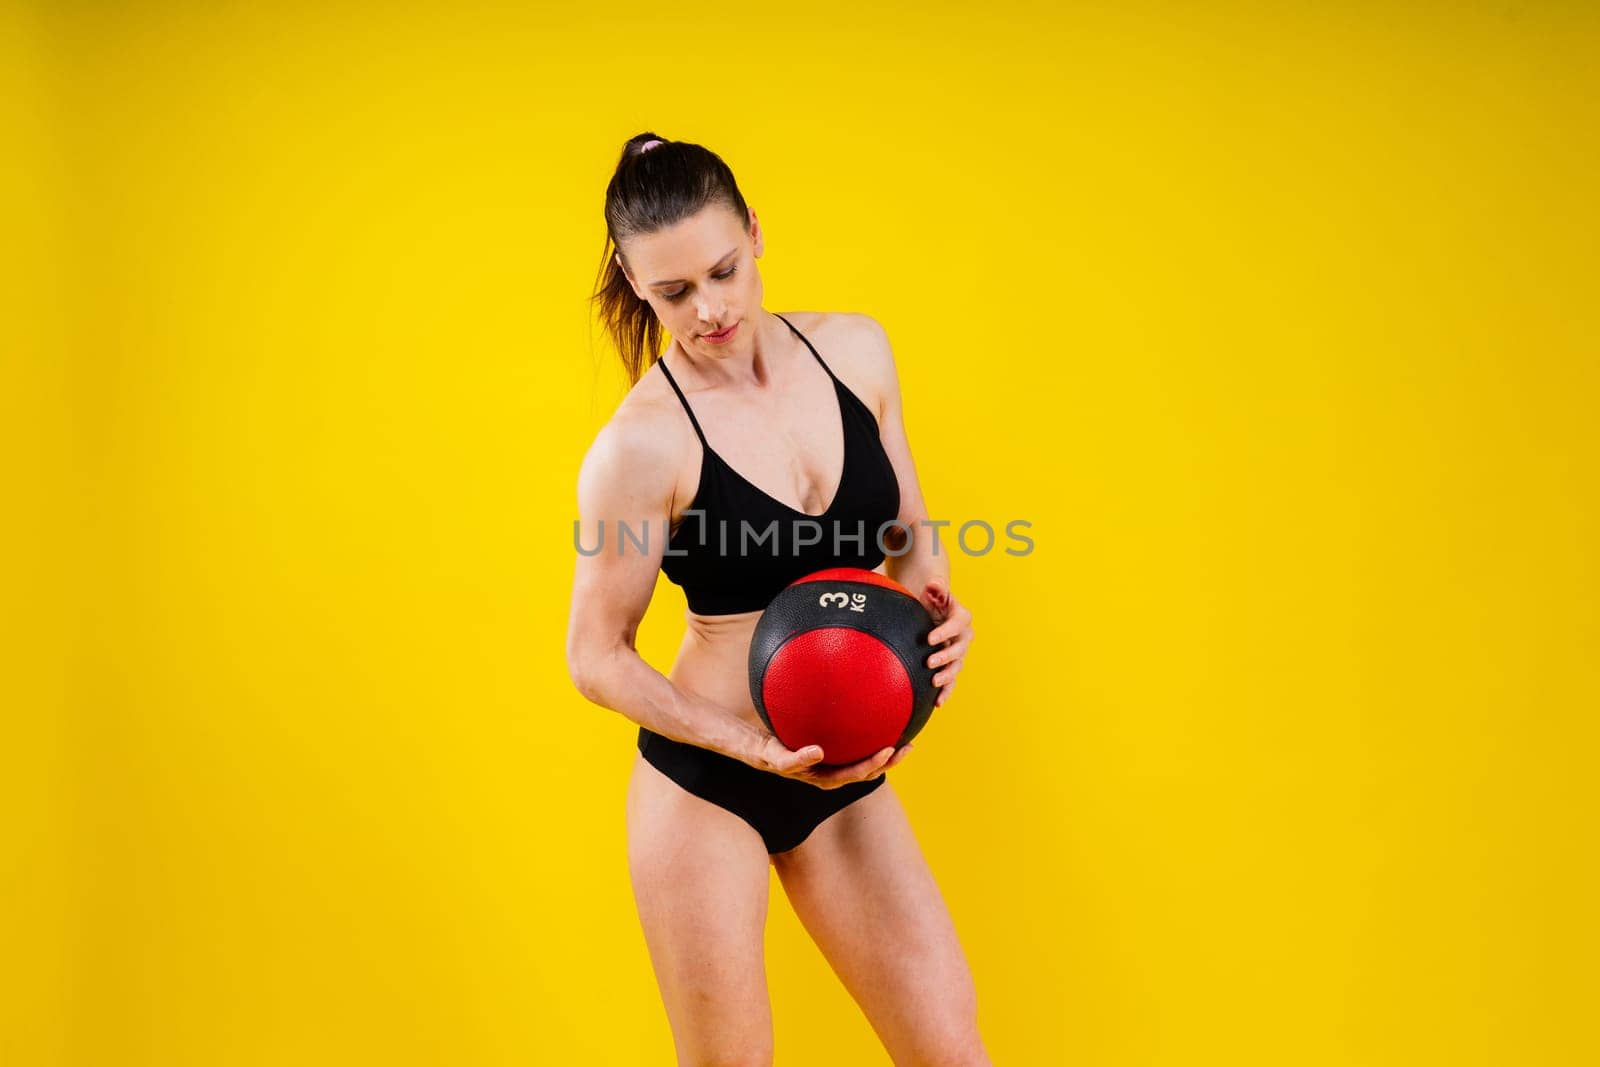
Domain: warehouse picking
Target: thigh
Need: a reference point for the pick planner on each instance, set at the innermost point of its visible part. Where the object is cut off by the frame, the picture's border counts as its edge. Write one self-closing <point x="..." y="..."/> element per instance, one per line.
<point x="864" y="892"/>
<point x="700" y="877"/>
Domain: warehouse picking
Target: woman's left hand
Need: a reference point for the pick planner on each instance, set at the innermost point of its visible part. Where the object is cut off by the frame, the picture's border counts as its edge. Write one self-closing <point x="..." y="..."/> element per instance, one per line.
<point x="952" y="629"/>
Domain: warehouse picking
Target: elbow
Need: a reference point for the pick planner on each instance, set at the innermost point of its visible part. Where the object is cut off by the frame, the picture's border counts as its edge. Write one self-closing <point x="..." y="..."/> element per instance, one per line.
<point x="581" y="671"/>
<point x="586" y="668"/>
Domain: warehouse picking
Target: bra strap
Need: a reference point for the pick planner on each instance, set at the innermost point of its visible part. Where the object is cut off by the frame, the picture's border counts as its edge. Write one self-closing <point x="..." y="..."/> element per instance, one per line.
<point x="684" y="401"/>
<point x="811" y="346"/>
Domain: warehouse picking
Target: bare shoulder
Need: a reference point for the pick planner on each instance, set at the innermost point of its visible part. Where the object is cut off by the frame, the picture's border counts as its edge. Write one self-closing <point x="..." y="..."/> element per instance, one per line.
<point x="856" y="346"/>
<point x="637" y="457"/>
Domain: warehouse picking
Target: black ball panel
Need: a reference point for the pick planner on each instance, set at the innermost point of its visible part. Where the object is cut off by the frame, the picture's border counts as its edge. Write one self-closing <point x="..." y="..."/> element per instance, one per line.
<point x="894" y="617"/>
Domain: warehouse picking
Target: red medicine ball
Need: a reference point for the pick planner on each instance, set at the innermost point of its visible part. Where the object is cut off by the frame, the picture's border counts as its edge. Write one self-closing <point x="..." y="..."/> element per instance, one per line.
<point x="840" y="659"/>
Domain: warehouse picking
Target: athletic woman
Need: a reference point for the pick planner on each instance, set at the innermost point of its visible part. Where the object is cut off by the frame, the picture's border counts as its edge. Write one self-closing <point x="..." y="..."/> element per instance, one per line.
<point x="751" y="433"/>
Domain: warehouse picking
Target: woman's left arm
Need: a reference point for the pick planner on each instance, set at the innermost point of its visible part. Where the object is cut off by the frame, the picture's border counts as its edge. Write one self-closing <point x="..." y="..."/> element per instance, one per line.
<point x="925" y="567"/>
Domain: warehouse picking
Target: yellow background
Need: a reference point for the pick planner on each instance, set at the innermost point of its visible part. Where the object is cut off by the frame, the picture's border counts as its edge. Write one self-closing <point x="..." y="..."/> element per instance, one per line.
<point x="1277" y="321"/>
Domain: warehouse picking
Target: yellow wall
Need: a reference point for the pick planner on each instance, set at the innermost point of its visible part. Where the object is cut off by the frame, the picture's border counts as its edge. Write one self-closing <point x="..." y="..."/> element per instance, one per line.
<point x="41" y="575"/>
<point x="1278" y="322"/>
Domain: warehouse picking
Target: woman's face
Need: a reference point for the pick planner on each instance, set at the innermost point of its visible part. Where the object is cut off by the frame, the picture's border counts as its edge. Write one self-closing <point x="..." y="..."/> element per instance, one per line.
<point x="700" y="278"/>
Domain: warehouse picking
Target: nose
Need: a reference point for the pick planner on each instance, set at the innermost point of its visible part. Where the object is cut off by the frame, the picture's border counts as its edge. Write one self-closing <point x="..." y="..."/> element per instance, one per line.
<point x="711" y="311"/>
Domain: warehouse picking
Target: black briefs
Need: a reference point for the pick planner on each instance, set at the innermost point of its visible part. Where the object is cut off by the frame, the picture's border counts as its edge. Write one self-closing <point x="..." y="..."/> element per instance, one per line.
<point x="782" y="810"/>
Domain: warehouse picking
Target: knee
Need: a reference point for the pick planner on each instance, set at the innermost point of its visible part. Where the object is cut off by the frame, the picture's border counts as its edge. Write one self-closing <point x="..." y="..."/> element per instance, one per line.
<point x="728" y="1046"/>
<point x="971" y="1054"/>
<point x="753" y="1053"/>
<point x="966" y="1051"/>
<point x="953" y="1043"/>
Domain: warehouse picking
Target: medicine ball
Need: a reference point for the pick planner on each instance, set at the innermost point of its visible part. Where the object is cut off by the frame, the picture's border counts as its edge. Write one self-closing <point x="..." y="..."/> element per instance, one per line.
<point x="839" y="659"/>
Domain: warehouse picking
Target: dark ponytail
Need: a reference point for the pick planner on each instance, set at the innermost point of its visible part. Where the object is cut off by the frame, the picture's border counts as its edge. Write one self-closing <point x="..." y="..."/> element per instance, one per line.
<point x="653" y="188"/>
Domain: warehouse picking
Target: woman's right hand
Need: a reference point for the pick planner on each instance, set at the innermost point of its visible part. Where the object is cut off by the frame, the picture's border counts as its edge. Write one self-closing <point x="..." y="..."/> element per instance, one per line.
<point x="771" y="755"/>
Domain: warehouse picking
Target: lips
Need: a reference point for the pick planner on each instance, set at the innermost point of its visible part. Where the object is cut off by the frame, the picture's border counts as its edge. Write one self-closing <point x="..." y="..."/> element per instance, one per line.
<point x="721" y="336"/>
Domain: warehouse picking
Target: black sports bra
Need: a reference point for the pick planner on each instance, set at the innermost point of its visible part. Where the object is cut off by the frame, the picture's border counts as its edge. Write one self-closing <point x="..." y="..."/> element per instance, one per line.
<point x="737" y="546"/>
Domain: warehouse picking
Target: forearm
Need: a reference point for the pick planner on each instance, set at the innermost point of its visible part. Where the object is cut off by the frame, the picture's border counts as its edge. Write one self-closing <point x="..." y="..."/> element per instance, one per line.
<point x="928" y="558"/>
<point x="621" y="680"/>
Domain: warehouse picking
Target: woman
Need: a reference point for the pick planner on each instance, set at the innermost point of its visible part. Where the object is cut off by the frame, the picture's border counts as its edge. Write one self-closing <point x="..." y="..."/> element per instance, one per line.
<point x="734" y="427"/>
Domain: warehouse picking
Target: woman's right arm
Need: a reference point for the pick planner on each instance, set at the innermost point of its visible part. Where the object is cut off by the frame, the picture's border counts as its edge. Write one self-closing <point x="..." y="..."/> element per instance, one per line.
<point x="627" y="477"/>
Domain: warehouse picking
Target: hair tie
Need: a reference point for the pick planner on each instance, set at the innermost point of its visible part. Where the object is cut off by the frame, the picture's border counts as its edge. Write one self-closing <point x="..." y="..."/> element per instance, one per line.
<point x="649" y="145"/>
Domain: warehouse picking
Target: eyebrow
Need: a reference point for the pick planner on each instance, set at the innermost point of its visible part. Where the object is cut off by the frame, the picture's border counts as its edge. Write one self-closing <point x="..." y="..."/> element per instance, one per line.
<point x="714" y="266"/>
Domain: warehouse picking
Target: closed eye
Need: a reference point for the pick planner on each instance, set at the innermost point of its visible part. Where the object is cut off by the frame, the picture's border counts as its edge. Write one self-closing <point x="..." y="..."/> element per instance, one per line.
<point x="679" y="295"/>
